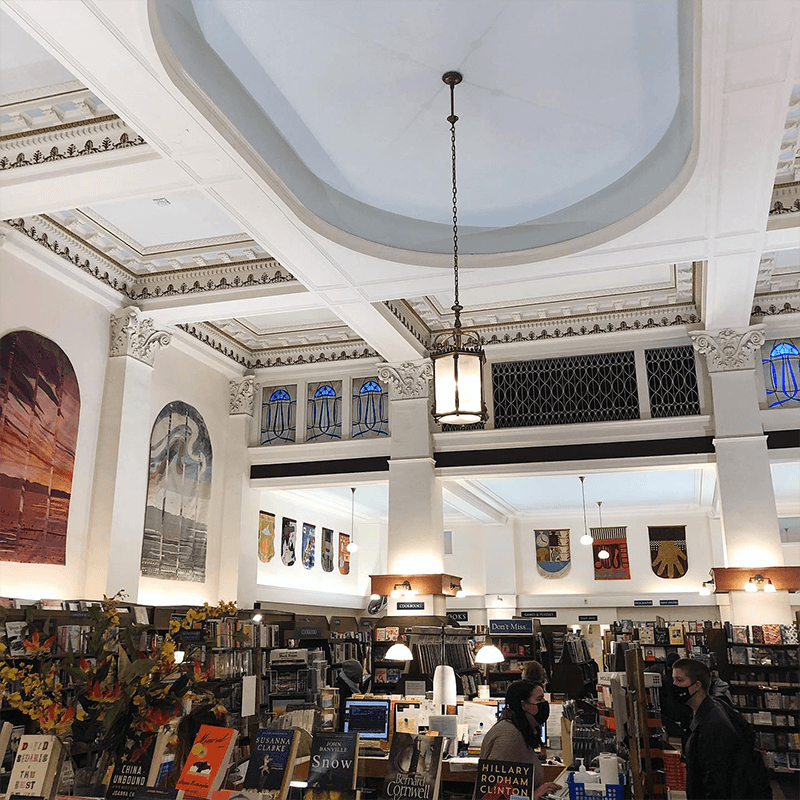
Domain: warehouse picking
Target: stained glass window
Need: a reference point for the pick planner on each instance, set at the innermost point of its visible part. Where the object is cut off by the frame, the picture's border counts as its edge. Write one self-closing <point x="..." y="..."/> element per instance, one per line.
<point x="782" y="375"/>
<point x="370" y="409"/>
<point x="324" y="414"/>
<point x="278" y="414"/>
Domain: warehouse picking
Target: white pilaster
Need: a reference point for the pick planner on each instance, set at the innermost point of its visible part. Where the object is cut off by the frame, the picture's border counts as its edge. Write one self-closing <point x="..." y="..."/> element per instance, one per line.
<point x="747" y="498"/>
<point x="416" y="528"/>
<point x="119" y="494"/>
<point x="238" y="569"/>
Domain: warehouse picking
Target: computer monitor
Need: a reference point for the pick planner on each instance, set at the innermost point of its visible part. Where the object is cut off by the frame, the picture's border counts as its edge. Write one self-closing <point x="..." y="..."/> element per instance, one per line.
<point x="501" y="704"/>
<point x="369" y="718"/>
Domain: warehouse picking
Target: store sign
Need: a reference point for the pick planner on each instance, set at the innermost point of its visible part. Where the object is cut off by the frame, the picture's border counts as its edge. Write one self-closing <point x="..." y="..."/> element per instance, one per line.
<point x="309" y="633"/>
<point x="498" y="627"/>
<point x="668" y="602"/>
<point x="458" y="616"/>
<point x="587" y="617"/>
<point x="538" y="614"/>
<point x="411" y="606"/>
<point x="643" y="602"/>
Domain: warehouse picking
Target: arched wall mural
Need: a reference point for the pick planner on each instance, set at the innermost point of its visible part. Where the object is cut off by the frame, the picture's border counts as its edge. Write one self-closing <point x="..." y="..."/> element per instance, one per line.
<point x="178" y="491"/>
<point x="39" y="409"/>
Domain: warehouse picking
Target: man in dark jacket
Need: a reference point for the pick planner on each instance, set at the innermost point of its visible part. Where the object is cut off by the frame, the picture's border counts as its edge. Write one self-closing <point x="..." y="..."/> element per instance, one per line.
<point x="714" y="746"/>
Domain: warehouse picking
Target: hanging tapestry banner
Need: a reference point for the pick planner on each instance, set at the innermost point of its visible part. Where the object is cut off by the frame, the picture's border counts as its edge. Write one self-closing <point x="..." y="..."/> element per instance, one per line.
<point x="288" y="536"/>
<point x="616" y="566"/>
<point x="668" y="550"/>
<point x="344" y="556"/>
<point x="552" y="552"/>
<point x="309" y="545"/>
<point x="326" y="554"/>
<point x="266" y="537"/>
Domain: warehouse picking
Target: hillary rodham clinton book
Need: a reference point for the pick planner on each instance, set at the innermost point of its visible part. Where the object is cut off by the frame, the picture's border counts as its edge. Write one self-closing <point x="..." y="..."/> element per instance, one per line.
<point x="501" y="779"/>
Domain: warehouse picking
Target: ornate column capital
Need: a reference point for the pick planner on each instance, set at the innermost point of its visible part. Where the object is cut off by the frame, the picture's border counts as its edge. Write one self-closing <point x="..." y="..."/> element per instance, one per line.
<point x="408" y="380"/>
<point x="134" y="335"/>
<point x="728" y="349"/>
<point x="243" y="394"/>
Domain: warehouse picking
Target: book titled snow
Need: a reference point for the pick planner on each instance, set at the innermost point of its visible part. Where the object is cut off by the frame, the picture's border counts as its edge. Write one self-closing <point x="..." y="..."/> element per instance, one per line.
<point x="207" y="761"/>
<point x="272" y="763"/>
<point x="333" y="763"/>
<point x="500" y="779"/>
<point x="414" y="768"/>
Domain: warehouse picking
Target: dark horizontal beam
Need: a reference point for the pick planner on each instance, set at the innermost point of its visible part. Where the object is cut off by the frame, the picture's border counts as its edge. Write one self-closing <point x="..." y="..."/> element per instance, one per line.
<point x="340" y="466"/>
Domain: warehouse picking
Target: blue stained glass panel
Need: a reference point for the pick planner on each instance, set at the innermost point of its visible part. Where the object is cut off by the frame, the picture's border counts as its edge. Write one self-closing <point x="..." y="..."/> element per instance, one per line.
<point x="324" y="414"/>
<point x="278" y="423"/>
<point x="370" y="409"/>
<point x="782" y="375"/>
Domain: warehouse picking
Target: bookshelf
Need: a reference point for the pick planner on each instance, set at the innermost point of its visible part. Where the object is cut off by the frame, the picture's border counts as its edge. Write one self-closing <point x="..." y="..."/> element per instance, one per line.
<point x="762" y="665"/>
<point x="575" y="674"/>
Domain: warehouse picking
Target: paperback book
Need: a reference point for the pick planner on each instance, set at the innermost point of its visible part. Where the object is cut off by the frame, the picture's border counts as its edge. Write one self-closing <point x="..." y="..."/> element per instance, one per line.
<point x="414" y="768"/>
<point x="500" y="779"/>
<point x="272" y="763"/>
<point x="207" y="761"/>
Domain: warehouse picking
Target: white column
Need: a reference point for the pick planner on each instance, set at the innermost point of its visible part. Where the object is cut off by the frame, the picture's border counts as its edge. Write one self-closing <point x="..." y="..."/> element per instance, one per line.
<point x="747" y="497"/>
<point x="119" y="492"/>
<point x="416" y="529"/>
<point x="238" y="571"/>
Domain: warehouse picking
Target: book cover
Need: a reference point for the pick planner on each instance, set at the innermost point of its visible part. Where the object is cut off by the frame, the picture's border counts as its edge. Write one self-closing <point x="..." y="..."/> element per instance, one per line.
<point x="676" y="634"/>
<point x="15" y="631"/>
<point x="772" y="634"/>
<point x="272" y="763"/>
<point x="207" y="761"/>
<point x="36" y="766"/>
<point x="740" y="634"/>
<point x="661" y="635"/>
<point x="647" y="635"/>
<point x="331" y="794"/>
<point x="333" y="763"/>
<point x="414" y="768"/>
<point x="234" y="794"/>
<point x="134" y="767"/>
<point x="757" y="632"/>
<point x="498" y="779"/>
<point x="789" y="634"/>
<point x="151" y="793"/>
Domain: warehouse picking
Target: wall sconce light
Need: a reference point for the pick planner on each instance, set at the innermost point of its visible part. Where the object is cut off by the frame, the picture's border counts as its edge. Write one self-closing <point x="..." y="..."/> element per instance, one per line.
<point x="402" y="590"/>
<point x="458" y="590"/>
<point x="374" y="596"/>
<point x="706" y="588"/>
<point x="758" y="581"/>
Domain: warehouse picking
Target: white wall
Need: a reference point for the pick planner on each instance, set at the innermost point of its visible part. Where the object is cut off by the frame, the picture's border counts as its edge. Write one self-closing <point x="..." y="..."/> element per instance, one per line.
<point x="295" y="584"/>
<point x="32" y="300"/>
<point x="179" y="376"/>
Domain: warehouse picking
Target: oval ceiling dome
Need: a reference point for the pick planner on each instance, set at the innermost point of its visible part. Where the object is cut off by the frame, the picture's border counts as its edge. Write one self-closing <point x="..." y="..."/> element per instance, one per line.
<point x="573" y="116"/>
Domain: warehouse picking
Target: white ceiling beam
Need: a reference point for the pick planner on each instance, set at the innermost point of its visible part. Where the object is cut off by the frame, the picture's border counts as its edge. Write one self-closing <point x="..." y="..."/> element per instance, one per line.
<point x="471" y="499"/>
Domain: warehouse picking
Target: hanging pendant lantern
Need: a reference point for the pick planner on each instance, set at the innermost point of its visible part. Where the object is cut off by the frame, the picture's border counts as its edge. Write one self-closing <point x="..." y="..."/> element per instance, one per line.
<point x="457" y="356"/>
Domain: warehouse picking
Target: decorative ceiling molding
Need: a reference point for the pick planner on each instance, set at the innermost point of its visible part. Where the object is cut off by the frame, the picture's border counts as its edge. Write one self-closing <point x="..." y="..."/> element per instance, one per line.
<point x="276" y="357"/>
<point x="48" y="107"/>
<point x="406" y="315"/>
<point x="87" y="258"/>
<point x="72" y="140"/>
<point x="644" y="319"/>
<point x="321" y="333"/>
<point x="788" y="169"/>
<point x="170" y="258"/>
<point x="679" y="292"/>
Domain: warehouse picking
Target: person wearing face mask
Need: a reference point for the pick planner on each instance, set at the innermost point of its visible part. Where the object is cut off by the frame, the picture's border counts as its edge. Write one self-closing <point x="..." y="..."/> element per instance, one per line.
<point x="534" y="672"/>
<point x="715" y="749"/>
<point x="515" y="736"/>
<point x="350" y="682"/>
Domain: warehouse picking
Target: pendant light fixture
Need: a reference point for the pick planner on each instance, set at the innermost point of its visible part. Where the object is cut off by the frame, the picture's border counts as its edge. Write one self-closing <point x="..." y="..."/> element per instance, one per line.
<point x="586" y="538"/>
<point x="352" y="547"/>
<point x="603" y="553"/>
<point x="457" y="356"/>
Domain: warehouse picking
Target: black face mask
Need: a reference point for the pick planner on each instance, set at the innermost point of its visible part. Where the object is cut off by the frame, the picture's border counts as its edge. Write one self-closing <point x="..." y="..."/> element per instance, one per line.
<point x="543" y="712"/>
<point x="681" y="693"/>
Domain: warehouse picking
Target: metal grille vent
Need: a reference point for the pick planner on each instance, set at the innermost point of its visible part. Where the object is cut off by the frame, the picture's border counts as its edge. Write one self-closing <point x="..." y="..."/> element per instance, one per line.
<point x="672" y="381"/>
<point x="562" y="391"/>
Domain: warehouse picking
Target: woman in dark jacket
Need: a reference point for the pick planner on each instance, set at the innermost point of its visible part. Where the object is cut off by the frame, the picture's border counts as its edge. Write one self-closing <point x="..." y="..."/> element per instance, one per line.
<point x="515" y="736"/>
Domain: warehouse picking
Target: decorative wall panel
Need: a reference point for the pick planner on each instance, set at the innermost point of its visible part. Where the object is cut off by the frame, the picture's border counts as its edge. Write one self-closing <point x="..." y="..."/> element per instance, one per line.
<point x="178" y="492"/>
<point x="552" y="552"/>
<point x="39" y="410"/>
<point x="266" y="536"/>
<point x="615" y="540"/>
<point x="344" y="555"/>
<point x="668" y="550"/>
<point x="309" y="545"/>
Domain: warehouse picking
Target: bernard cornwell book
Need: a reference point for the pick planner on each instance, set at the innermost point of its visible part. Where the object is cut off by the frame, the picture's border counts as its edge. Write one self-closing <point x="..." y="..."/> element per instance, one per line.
<point x="414" y="768"/>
